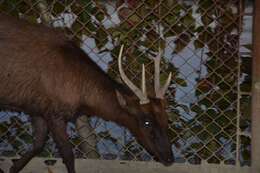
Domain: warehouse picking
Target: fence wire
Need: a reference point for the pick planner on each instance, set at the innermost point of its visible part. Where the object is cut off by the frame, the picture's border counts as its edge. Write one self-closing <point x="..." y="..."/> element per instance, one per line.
<point x="207" y="46"/>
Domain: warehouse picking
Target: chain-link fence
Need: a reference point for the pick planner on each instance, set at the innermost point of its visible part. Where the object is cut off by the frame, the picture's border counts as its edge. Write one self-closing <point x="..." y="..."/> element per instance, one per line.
<point x="207" y="46"/>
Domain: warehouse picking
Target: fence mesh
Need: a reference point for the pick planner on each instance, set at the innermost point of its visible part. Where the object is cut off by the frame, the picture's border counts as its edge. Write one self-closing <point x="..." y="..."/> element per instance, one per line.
<point x="205" y="43"/>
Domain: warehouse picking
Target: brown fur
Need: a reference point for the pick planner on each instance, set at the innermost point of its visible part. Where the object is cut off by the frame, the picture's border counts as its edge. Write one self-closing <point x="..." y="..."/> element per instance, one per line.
<point x="47" y="76"/>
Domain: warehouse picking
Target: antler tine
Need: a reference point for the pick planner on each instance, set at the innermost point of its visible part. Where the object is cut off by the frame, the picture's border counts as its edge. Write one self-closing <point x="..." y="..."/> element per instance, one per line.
<point x="143" y="81"/>
<point x="165" y="87"/>
<point x="139" y="93"/>
<point x="160" y="91"/>
<point x="157" y="61"/>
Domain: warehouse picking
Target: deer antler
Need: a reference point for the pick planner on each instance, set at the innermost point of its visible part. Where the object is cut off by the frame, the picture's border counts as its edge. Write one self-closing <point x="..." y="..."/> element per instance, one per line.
<point x="141" y="94"/>
<point x="160" y="91"/>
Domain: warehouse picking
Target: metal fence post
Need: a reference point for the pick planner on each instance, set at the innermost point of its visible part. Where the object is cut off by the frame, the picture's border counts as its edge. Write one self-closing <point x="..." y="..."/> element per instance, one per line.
<point x="256" y="92"/>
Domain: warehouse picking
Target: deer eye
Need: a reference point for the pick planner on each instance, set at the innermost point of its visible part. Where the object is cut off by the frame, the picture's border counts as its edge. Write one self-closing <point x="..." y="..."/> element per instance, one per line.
<point x="147" y="124"/>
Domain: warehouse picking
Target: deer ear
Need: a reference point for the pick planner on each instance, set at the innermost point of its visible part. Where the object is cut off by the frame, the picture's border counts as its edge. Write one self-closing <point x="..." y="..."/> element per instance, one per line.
<point x="121" y="99"/>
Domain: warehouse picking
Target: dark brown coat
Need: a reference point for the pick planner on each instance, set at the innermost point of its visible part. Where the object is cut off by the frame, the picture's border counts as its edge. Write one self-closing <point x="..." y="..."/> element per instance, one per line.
<point x="47" y="76"/>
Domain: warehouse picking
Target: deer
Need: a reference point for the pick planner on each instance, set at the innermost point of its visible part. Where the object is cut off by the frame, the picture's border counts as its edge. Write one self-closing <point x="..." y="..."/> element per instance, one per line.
<point x="48" y="76"/>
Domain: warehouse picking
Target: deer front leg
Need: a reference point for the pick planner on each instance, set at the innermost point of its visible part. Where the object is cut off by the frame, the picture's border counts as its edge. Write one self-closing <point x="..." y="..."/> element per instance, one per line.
<point x="40" y="132"/>
<point x="57" y="127"/>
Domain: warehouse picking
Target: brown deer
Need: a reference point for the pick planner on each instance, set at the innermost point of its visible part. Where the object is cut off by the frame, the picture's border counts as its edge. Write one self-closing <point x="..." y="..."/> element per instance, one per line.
<point x="47" y="76"/>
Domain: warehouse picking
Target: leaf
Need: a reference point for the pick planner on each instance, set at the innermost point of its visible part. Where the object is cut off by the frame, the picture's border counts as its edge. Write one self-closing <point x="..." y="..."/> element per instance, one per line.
<point x="188" y="19"/>
<point x="245" y="106"/>
<point x="80" y="6"/>
<point x="182" y="42"/>
<point x="169" y="33"/>
<point x="58" y="7"/>
<point x="204" y="85"/>
<point x="134" y="18"/>
<point x="213" y="145"/>
<point x="98" y="13"/>
<point x="205" y="102"/>
<point x="31" y="18"/>
<point x="206" y="36"/>
<point x="3" y="128"/>
<point x="26" y="138"/>
<point x="206" y="19"/>
<point x="90" y="26"/>
<point x="151" y="3"/>
<point x="228" y="17"/>
<point x="114" y="32"/>
<point x="199" y="29"/>
<point x="248" y="46"/>
<point x="213" y="128"/>
<point x="170" y="19"/>
<point x="173" y="116"/>
<point x="198" y="44"/>
<point x="196" y="108"/>
<point x="9" y="6"/>
<point x="205" y="4"/>
<point x="84" y="16"/>
<point x="101" y="37"/>
<point x="172" y="134"/>
<point x="76" y="27"/>
<point x="17" y="144"/>
<point x="100" y="16"/>
<point x="181" y="82"/>
<point x="184" y="107"/>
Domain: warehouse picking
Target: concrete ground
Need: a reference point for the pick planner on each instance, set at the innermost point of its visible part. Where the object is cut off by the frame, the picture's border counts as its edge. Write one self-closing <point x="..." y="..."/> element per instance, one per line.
<point x="38" y="165"/>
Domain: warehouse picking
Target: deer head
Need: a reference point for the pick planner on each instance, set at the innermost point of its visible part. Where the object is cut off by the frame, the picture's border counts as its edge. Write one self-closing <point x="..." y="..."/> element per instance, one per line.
<point x="148" y="119"/>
